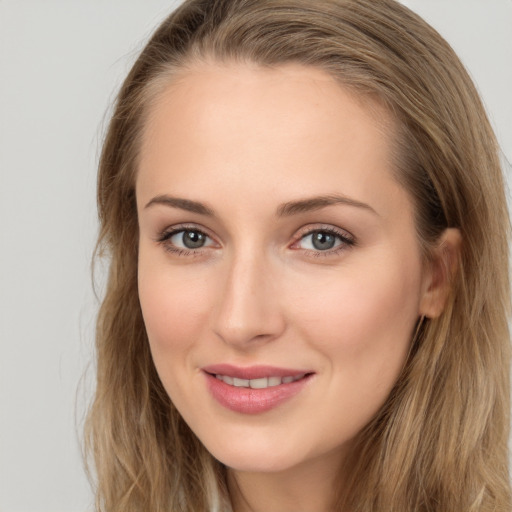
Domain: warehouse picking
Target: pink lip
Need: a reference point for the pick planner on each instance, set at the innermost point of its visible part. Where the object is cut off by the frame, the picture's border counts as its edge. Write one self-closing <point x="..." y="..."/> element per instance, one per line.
<point x="248" y="400"/>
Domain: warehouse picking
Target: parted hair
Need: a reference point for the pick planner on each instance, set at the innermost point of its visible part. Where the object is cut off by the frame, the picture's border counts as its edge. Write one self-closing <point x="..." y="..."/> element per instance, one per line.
<point x="439" y="443"/>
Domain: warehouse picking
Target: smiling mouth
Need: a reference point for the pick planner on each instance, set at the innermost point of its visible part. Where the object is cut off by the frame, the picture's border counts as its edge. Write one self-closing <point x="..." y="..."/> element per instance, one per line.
<point x="261" y="383"/>
<point x="256" y="389"/>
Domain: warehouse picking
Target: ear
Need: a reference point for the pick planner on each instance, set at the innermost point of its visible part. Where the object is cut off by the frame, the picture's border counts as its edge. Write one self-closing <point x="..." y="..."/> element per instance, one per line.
<point x="440" y="272"/>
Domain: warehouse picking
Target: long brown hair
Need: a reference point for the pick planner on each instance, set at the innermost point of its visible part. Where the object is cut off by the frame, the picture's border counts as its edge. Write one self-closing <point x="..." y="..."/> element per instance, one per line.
<point x="439" y="443"/>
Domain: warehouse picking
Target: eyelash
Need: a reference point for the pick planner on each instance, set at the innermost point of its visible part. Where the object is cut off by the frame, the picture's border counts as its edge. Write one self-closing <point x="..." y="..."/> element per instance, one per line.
<point x="167" y="234"/>
<point x="346" y="241"/>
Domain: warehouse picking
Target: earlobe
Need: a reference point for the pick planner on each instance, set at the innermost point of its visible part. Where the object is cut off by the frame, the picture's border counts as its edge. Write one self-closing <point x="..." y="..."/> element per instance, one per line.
<point x="440" y="273"/>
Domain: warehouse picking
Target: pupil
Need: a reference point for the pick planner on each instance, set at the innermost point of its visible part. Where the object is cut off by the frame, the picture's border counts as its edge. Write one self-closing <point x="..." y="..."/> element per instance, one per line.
<point x="193" y="239"/>
<point x="323" y="241"/>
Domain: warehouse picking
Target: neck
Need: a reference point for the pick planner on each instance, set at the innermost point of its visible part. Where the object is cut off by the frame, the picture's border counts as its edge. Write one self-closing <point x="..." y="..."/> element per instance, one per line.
<point x="308" y="486"/>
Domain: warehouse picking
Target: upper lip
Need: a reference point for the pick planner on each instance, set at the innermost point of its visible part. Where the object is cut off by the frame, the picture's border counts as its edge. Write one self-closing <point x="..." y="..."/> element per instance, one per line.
<point x="253" y="372"/>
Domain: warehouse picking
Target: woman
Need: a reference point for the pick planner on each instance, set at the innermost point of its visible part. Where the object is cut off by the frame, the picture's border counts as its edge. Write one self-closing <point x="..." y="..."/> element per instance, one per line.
<point x="308" y="292"/>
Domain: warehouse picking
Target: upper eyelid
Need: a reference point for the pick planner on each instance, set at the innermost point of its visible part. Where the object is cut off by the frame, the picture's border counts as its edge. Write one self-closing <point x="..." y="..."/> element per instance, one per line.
<point x="172" y="230"/>
<point x="309" y="229"/>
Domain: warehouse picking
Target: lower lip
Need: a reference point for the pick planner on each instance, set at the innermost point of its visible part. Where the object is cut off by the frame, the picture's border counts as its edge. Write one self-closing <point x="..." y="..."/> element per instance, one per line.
<point x="253" y="401"/>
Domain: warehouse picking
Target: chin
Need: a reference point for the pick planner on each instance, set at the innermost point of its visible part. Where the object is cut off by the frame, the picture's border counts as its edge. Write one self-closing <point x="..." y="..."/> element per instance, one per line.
<point x="251" y="455"/>
<point x="248" y="463"/>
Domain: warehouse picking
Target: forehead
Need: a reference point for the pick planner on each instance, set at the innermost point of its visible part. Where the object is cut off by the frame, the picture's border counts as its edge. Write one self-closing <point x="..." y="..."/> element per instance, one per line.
<point x="201" y="90"/>
<point x="252" y="129"/>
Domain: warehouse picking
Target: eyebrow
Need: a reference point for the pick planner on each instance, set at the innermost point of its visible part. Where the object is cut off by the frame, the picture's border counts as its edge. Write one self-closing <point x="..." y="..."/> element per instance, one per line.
<point x="284" y="210"/>
<point x="182" y="204"/>
<point x="316" y="203"/>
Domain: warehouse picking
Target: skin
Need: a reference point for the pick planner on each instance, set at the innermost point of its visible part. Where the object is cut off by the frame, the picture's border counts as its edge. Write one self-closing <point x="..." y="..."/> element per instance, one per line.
<point x="244" y="140"/>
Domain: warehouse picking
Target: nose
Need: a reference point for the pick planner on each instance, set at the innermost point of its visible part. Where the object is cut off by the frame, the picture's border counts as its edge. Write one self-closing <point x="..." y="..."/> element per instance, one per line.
<point x="248" y="312"/>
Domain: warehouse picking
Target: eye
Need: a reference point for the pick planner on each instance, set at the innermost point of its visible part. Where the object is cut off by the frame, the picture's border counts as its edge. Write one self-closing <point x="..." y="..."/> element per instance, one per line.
<point x="324" y="240"/>
<point x="190" y="239"/>
<point x="183" y="241"/>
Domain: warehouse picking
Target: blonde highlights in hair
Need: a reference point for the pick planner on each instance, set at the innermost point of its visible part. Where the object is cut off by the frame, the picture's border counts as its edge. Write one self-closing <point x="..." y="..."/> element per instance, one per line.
<point x="439" y="443"/>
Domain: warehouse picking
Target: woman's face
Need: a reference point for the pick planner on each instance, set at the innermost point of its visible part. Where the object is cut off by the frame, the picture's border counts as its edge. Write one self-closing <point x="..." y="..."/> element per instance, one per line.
<point x="280" y="276"/>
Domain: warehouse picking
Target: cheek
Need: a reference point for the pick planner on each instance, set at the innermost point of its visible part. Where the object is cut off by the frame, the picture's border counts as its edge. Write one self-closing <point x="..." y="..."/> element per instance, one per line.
<point x="362" y="325"/>
<point x="362" y="321"/>
<point x="379" y="292"/>
<point x="174" y="306"/>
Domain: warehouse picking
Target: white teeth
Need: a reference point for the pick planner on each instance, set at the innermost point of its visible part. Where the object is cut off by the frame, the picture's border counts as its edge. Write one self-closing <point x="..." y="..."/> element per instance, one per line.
<point x="225" y="378"/>
<point x="264" y="382"/>
<point x="259" y="383"/>
<point x="274" y="381"/>
<point x="287" y="380"/>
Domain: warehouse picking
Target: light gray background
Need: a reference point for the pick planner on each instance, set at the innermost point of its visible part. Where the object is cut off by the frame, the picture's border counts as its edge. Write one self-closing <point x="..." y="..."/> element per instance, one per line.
<point x="60" y="65"/>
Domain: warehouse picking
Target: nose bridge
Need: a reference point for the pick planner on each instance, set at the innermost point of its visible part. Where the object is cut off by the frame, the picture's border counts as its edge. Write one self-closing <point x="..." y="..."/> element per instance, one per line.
<point x="248" y="308"/>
